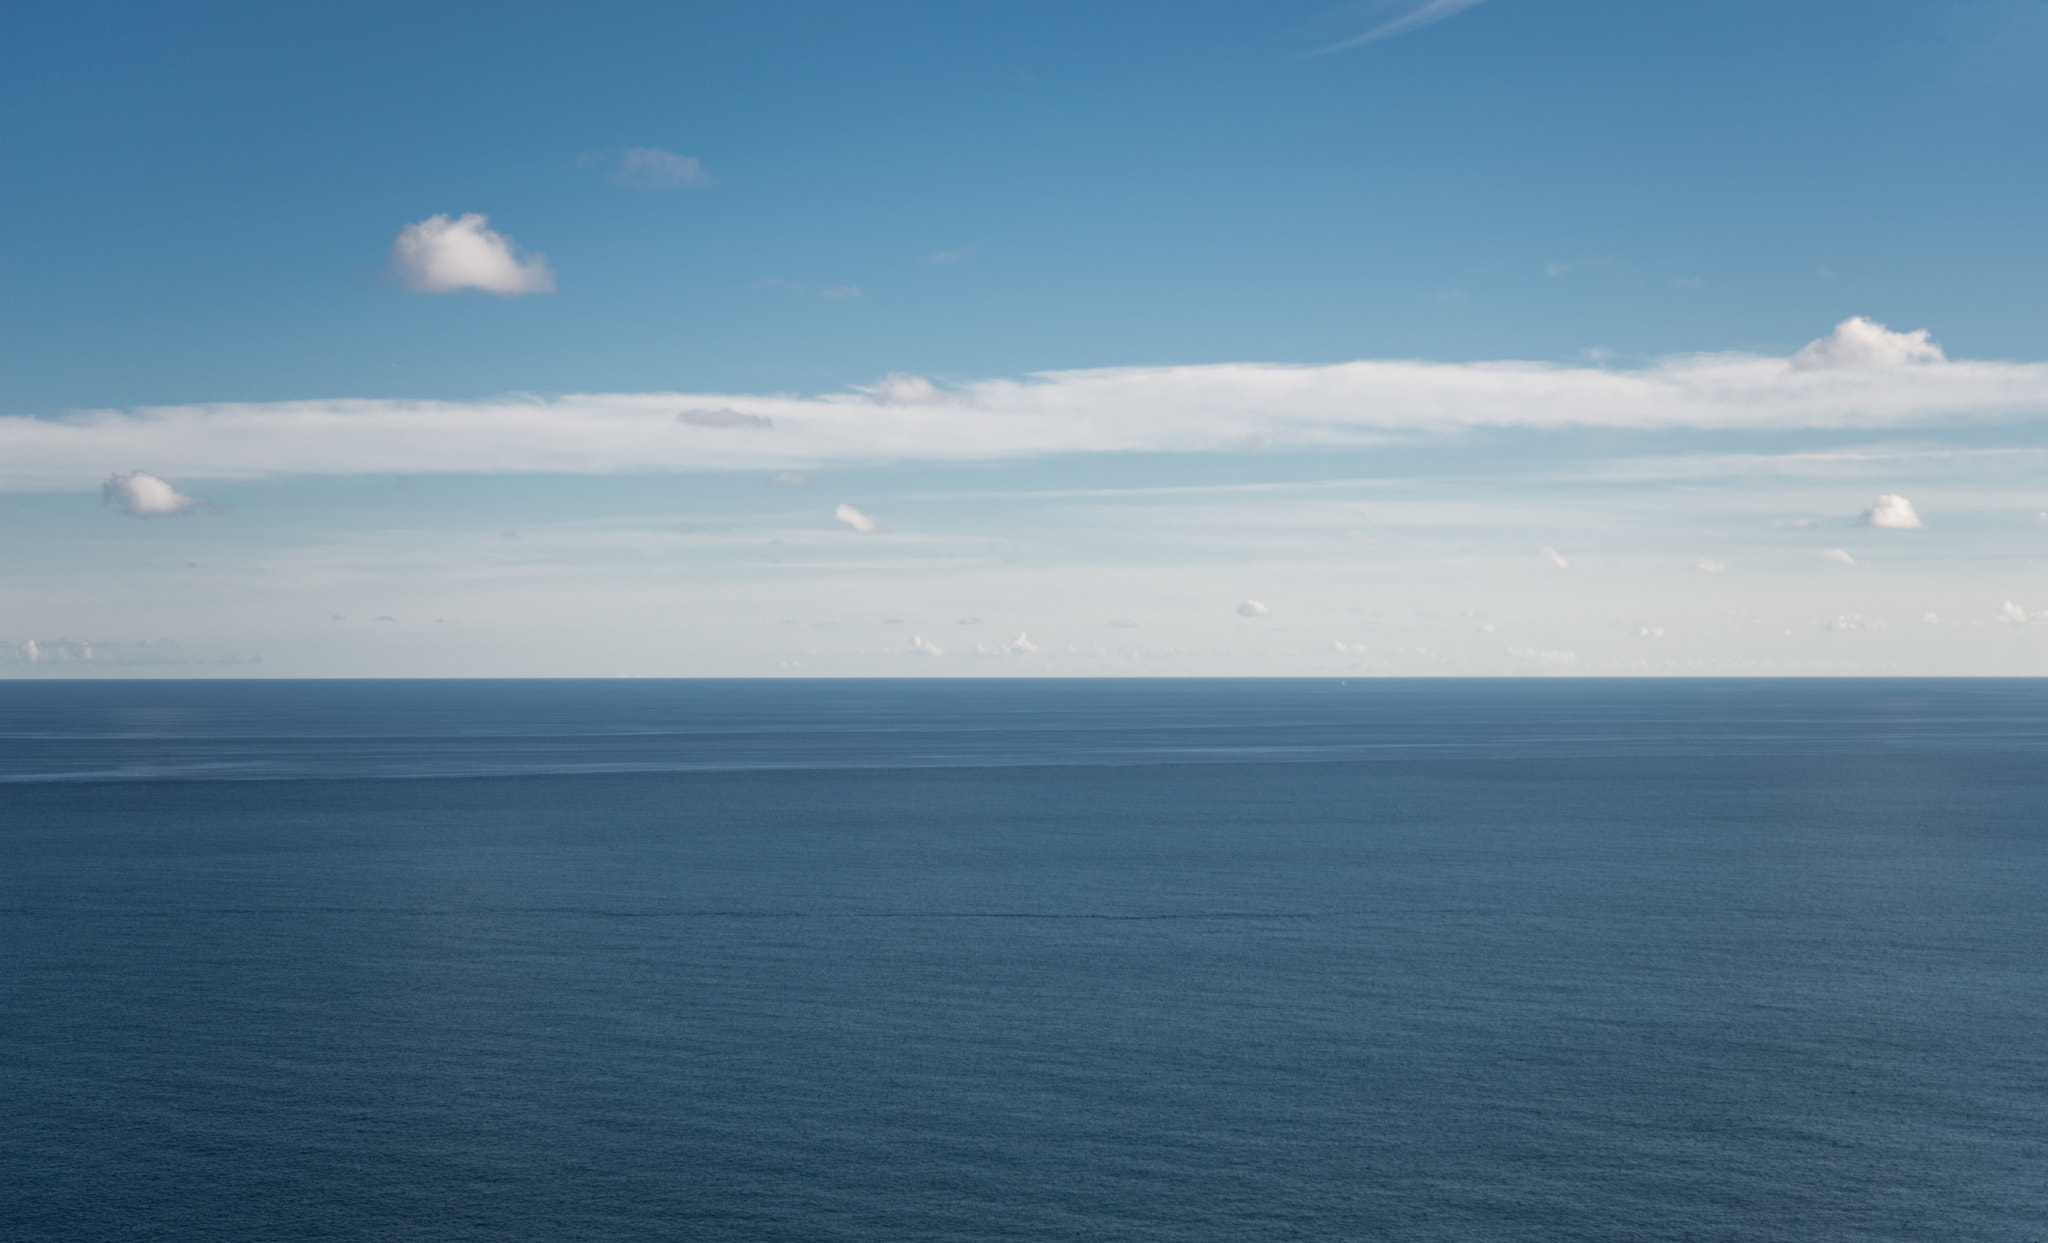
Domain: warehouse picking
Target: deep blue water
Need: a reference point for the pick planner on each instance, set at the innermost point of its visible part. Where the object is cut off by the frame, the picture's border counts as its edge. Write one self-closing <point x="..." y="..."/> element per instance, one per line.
<point x="903" y="961"/>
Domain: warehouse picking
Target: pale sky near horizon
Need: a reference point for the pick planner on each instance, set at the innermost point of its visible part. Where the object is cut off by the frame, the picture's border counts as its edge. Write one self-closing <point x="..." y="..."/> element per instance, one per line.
<point x="1483" y="337"/>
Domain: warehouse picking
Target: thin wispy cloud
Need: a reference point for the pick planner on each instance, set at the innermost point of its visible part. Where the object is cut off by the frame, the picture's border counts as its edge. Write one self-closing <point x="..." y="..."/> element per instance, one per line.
<point x="446" y="254"/>
<point x="1429" y="13"/>
<point x="651" y="168"/>
<point x="1212" y="408"/>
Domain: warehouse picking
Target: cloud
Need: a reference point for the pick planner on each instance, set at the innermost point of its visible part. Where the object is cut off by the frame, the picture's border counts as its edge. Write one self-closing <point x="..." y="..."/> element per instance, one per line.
<point x="1547" y="657"/>
<point x="1708" y="565"/>
<point x="790" y="479"/>
<point x="1022" y="644"/>
<point x="2018" y="616"/>
<point x="866" y="524"/>
<point x="1252" y="608"/>
<point x="921" y="646"/>
<point x="968" y="621"/>
<point x="1431" y="11"/>
<point x="724" y="416"/>
<point x="1213" y="408"/>
<point x="143" y="495"/>
<point x="1554" y="557"/>
<point x="651" y="168"/>
<point x="1838" y="554"/>
<point x="944" y="257"/>
<point x="1893" y="513"/>
<point x="1863" y="344"/>
<point x="442" y="255"/>
<point x="840" y="293"/>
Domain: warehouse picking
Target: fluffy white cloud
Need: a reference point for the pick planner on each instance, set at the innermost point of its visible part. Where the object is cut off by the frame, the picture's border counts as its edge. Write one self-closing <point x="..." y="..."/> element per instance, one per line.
<point x="921" y="646"/>
<point x="1893" y="513"/>
<point x="1022" y="644"/>
<point x="866" y="524"/>
<point x="1838" y="554"/>
<point x="443" y="254"/>
<point x="1252" y="608"/>
<point x="651" y="168"/>
<point x="1213" y="408"/>
<point x="1860" y="343"/>
<point x="143" y="495"/>
<point x="1554" y="557"/>
<point x="1709" y="565"/>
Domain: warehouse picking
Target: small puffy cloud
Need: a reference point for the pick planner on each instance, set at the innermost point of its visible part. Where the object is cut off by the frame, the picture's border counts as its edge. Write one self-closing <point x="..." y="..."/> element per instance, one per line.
<point x="1022" y="644"/>
<point x="839" y="293"/>
<point x="1861" y="344"/>
<point x="866" y="524"/>
<point x="143" y="495"/>
<point x="1894" y="513"/>
<point x="1252" y="608"/>
<point x="444" y="254"/>
<point x="921" y="646"/>
<point x="944" y="257"/>
<point x="1649" y="632"/>
<point x="2018" y="616"/>
<point x="967" y="621"/>
<point x="724" y="417"/>
<point x="790" y="479"/>
<point x="1932" y="619"/>
<point x="1707" y="565"/>
<point x="1857" y="621"/>
<point x="651" y="168"/>
<point x="1554" y="557"/>
<point x="1838" y="554"/>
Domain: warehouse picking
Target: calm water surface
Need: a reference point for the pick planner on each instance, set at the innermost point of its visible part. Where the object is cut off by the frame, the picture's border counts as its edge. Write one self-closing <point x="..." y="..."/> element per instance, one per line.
<point x="902" y="961"/>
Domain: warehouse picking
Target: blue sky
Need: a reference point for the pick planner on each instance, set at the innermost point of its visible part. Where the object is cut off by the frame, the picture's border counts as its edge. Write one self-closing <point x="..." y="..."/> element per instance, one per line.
<point x="1234" y="234"/>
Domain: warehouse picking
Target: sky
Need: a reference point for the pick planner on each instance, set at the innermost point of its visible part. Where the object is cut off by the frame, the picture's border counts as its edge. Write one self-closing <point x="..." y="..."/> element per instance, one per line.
<point x="1417" y="337"/>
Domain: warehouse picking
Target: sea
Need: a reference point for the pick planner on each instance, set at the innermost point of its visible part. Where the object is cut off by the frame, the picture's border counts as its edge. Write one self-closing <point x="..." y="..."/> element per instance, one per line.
<point x="1608" y="961"/>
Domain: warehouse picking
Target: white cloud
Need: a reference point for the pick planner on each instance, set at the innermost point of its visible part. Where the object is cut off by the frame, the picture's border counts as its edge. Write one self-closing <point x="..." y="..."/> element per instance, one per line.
<point x="944" y="257"/>
<point x="1215" y="408"/>
<point x="651" y="168"/>
<point x="1932" y="619"/>
<point x="1554" y="557"/>
<point x="967" y="621"/>
<point x="1708" y="565"/>
<point x="1544" y="656"/>
<point x="790" y="479"/>
<point x="866" y="524"/>
<point x="1022" y="644"/>
<point x="2020" y="617"/>
<point x="1860" y="343"/>
<point x="1252" y="608"/>
<point x="1838" y="554"/>
<point x="1430" y="11"/>
<point x="724" y="416"/>
<point x="443" y="254"/>
<point x="143" y="495"/>
<point x="924" y="647"/>
<point x="1892" y="513"/>
<point x="839" y="293"/>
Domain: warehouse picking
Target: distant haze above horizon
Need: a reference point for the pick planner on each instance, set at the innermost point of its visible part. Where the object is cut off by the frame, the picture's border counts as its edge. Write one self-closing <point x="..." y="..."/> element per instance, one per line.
<point x="1484" y="337"/>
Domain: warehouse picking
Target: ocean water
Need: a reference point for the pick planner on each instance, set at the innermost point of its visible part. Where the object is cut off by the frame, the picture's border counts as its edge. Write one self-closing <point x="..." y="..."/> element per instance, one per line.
<point x="904" y="961"/>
